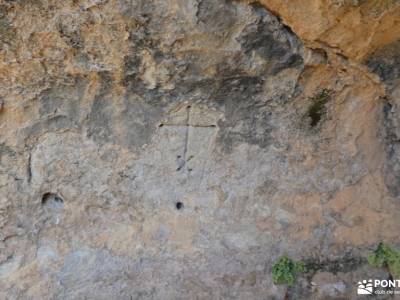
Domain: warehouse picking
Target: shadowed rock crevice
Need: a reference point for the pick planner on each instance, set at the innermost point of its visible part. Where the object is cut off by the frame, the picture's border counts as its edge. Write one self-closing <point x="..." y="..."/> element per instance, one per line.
<point x="385" y="62"/>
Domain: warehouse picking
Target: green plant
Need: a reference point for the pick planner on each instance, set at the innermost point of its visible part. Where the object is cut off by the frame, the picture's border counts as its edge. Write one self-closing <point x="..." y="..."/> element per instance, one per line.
<point x="317" y="108"/>
<point x="386" y="256"/>
<point x="286" y="270"/>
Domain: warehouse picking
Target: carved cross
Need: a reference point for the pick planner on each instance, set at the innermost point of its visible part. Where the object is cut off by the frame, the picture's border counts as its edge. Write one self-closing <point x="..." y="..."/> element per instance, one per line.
<point x="183" y="158"/>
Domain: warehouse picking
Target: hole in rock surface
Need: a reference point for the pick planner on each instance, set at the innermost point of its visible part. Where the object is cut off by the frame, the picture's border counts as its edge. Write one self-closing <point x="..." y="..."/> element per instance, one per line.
<point x="52" y="202"/>
<point x="179" y="205"/>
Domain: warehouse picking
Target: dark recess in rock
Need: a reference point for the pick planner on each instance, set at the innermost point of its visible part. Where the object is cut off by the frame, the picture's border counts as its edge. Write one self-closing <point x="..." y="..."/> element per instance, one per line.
<point x="260" y="38"/>
<point x="386" y="63"/>
<point x="52" y="202"/>
<point x="392" y="146"/>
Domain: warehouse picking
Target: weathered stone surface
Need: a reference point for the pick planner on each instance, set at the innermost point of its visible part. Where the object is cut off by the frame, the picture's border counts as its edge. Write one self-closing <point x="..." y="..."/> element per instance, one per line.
<point x="385" y="62"/>
<point x="169" y="149"/>
<point x="353" y="28"/>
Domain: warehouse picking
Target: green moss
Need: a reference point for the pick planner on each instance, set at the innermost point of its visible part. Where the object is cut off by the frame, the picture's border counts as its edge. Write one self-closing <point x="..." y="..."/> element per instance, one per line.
<point x="386" y="256"/>
<point x="286" y="270"/>
<point x="317" y="109"/>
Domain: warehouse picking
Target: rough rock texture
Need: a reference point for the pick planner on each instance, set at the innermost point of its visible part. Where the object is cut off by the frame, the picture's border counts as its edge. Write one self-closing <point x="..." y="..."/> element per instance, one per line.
<point x="353" y="28"/>
<point x="173" y="149"/>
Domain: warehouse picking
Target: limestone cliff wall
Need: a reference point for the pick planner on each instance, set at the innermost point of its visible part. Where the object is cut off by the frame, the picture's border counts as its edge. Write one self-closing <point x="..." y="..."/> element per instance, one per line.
<point x="174" y="149"/>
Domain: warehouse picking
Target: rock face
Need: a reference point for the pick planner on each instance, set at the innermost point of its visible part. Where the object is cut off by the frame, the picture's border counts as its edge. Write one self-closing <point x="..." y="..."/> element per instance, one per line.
<point x="352" y="28"/>
<point x="174" y="149"/>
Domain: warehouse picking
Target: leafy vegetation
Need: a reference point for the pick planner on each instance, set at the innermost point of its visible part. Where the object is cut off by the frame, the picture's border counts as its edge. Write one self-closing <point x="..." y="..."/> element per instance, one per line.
<point x="317" y="108"/>
<point x="386" y="256"/>
<point x="286" y="270"/>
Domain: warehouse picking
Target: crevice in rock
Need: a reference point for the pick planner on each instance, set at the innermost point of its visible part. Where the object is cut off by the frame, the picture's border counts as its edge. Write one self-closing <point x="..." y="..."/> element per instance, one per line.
<point x="29" y="169"/>
<point x="392" y="144"/>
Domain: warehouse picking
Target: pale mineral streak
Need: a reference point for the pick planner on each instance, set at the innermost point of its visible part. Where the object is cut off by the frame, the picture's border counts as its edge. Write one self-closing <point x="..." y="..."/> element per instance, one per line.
<point x="173" y="149"/>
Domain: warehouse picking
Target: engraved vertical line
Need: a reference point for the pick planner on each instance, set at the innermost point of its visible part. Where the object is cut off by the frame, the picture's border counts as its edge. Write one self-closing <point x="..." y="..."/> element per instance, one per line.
<point x="185" y="149"/>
